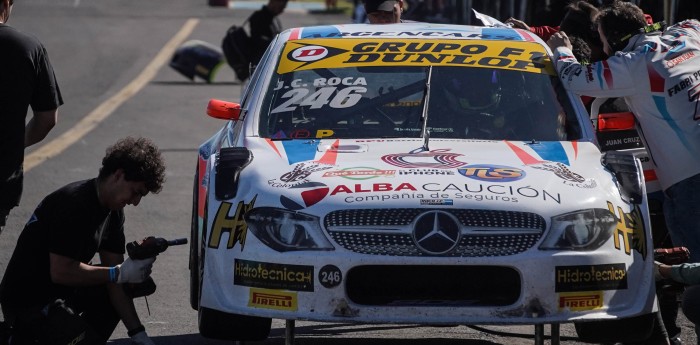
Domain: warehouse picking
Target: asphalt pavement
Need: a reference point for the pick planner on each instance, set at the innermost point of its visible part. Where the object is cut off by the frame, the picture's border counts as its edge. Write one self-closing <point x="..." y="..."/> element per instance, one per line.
<point x="108" y="58"/>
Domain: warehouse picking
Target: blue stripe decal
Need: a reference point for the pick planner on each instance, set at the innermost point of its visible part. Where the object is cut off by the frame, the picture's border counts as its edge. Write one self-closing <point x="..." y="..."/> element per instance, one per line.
<point x="599" y="68"/>
<point x="320" y="32"/>
<point x="551" y="151"/>
<point x="503" y="34"/>
<point x="660" y="102"/>
<point x="300" y="150"/>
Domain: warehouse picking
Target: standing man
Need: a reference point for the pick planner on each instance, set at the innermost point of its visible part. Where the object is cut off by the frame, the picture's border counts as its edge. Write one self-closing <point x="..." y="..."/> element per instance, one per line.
<point x="26" y="78"/>
<point x="384" y="11"/>
<point x="51" y="293"/>
<point x="658" y="75"/>
<point x="264" y="26"/>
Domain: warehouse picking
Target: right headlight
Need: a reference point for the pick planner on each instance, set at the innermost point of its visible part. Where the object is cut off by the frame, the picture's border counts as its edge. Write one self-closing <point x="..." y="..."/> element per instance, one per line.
<point x="584" y="230"/>
<point x="284" y="230"/>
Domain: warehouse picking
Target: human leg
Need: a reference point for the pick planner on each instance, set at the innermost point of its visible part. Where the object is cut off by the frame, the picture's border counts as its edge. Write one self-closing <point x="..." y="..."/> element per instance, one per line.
<point x="3" y="218"/>
<point x="55" y="323"/>
<point x="96" y="310"/>
<point x="691" y="306"/>
<point x="683" y="215"/>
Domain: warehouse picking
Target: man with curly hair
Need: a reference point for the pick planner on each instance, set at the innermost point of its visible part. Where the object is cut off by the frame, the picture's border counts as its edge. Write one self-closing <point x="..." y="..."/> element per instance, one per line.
<point x="51" y="292"/>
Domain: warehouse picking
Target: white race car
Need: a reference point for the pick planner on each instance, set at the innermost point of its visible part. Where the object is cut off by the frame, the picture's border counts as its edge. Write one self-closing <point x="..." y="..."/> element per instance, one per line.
<point x="416" y="173"/>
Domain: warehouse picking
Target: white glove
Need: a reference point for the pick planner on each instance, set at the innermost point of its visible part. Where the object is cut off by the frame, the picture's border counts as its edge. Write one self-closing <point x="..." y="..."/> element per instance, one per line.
<point x="134" y="271"/>
<point x="657" y="273"/>
<point x="141" y="338"/>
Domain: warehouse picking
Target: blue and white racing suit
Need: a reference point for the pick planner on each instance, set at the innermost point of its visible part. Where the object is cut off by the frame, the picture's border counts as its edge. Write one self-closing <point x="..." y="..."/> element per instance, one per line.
<point x="658" y="75"/>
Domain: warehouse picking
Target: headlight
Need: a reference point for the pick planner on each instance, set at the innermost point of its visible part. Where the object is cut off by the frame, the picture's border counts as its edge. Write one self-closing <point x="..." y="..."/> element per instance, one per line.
<point x="284" y="230"/>
<point x="583" y="230"/>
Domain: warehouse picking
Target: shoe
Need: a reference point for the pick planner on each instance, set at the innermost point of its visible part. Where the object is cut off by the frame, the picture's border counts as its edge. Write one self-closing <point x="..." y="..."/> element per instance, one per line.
<point x="676" y="341"/>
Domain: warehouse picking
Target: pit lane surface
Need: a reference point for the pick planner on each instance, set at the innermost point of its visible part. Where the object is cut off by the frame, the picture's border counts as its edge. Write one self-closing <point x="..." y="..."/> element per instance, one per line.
<point x="99" y="48"/>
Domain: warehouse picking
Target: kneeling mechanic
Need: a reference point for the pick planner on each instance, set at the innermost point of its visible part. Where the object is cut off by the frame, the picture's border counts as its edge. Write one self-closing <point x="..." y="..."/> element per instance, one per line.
<point x="50" y="292"/>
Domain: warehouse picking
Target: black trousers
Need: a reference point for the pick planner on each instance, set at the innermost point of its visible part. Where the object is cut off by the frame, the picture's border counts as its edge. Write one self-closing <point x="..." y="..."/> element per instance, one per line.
<point x="86" y="317"/>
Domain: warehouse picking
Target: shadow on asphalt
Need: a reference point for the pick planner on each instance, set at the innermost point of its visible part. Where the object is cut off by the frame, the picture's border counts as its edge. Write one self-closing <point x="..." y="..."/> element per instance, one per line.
<point x="335" y="334"/>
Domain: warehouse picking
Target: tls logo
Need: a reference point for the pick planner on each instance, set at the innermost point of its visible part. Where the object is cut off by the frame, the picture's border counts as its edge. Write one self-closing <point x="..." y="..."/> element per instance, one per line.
<point x="630" y="227"/>
<point x="235" y="225"/>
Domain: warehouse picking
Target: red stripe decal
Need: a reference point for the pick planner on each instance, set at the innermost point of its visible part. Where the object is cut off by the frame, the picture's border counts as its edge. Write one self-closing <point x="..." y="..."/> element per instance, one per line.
<point x="296" y="33"/>
<point x="526" y="35"/>
<point x="331" y="155"/>
<point x="272" y="143"/>
<point x="525" y="157"/>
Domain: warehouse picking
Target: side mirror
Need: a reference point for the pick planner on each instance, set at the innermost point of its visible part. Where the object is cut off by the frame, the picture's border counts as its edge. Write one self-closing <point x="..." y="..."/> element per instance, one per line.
<point x="615" y="121"/>
<point x="223" y="110"/>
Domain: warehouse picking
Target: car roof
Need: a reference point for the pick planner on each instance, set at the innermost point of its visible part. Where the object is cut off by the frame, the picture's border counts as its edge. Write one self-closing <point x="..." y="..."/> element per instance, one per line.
<point x="411" y="30"/>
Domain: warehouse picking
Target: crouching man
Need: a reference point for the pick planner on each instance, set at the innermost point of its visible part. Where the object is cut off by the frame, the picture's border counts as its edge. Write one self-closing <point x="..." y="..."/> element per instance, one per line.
<point x="50" y="292"/>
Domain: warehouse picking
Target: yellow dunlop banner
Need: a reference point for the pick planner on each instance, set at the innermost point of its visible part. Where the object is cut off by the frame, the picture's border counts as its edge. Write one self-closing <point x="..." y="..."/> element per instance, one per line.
<point x="307" y="54"/>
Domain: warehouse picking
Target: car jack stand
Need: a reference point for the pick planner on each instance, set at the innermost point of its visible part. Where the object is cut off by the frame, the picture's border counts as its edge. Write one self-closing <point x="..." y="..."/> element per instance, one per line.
<point x="289" y="332"/>
<point x="539" y="334"/>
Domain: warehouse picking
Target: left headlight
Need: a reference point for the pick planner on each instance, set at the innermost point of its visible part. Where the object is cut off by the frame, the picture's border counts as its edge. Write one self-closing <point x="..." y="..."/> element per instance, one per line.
<point x="583" y="230"/>
<point x="284" y="230"/>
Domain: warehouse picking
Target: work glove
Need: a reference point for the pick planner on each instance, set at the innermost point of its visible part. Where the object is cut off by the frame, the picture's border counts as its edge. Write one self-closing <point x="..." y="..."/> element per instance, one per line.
<point x="134" y="271"/>
<point x="657" y="273"/>
<point x="141" y="338"/>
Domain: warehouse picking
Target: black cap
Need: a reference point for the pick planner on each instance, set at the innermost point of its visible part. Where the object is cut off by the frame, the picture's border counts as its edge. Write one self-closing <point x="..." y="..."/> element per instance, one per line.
<point x="379" y="5"/>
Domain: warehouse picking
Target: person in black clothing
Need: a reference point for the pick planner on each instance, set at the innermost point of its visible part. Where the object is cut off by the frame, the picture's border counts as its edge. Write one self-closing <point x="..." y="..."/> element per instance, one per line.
<point x="384" y="11"/>
<point x="27" y="78"/>
<point x="264" y="26"/>
<point x="51" y="293"/>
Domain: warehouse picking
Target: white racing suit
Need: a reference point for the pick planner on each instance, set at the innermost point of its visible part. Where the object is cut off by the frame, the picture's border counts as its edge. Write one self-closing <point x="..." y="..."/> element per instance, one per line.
<point x="658" y="74"/>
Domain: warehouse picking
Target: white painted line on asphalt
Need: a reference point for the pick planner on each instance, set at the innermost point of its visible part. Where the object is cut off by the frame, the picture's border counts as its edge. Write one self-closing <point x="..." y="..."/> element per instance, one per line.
<point x="99" y="114"/>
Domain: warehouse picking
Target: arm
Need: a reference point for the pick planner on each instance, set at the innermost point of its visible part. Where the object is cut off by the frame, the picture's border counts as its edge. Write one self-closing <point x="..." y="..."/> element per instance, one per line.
<point x="687" y="273"/>
<point x="39" y="126"/>
<point x="71" y="272"/>
<point x="123" y="304"/>
<point x="609" y="78"/>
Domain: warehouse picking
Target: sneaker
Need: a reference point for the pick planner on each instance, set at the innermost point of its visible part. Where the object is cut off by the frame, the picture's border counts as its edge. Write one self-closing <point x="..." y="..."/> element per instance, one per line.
<point x="676" y="341"/>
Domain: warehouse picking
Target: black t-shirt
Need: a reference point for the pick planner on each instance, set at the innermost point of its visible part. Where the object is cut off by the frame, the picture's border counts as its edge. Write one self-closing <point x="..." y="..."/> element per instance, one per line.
<point x="26" y="78"/>
<point x="68" y="222"/>
<point x="264" y="26"/>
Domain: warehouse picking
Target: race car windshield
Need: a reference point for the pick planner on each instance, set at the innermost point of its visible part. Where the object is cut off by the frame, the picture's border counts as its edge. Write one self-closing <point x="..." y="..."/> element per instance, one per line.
<point x="387" y="102"/>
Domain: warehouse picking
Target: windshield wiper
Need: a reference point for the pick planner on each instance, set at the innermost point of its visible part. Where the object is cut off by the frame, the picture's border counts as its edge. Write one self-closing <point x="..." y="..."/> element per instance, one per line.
<point x="425" y="133"/>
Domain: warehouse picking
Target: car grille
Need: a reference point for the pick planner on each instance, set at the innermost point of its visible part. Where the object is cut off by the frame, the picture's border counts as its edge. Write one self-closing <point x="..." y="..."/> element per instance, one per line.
<point x="393" y="231"/>
<point x="433" y="286"/>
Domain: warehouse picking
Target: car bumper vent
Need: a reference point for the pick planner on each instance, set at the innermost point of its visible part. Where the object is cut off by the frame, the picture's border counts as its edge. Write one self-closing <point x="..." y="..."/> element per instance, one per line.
<point x="437" y="286"/>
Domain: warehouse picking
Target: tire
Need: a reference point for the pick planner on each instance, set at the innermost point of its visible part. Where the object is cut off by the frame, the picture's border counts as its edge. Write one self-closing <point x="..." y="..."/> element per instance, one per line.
<point x="194" y="245"/>
<point x="629" y="330"/>
<point x="219" y="325"/>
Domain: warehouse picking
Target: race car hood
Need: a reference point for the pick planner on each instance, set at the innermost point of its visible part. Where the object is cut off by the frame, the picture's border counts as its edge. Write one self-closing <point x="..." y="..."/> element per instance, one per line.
<point x="324" y="175"/>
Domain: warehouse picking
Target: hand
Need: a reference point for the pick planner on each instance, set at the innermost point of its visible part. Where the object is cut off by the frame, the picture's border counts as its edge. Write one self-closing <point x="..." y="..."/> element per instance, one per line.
<point x="518" y="24"/>
<point x="657" y="271"/>
<point x="134" y="271"/>
<point x="559" y="39"/>
<point x="141" y="338"/>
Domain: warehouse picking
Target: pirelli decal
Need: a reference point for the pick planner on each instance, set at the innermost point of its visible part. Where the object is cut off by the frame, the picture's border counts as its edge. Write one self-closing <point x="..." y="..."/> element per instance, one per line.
<point x="272" y="299"/>
<point x="273" y="276"/>
<point x="580" y="301"/>
<point x="334" y="53"/>
<point x="590" y="278"/>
